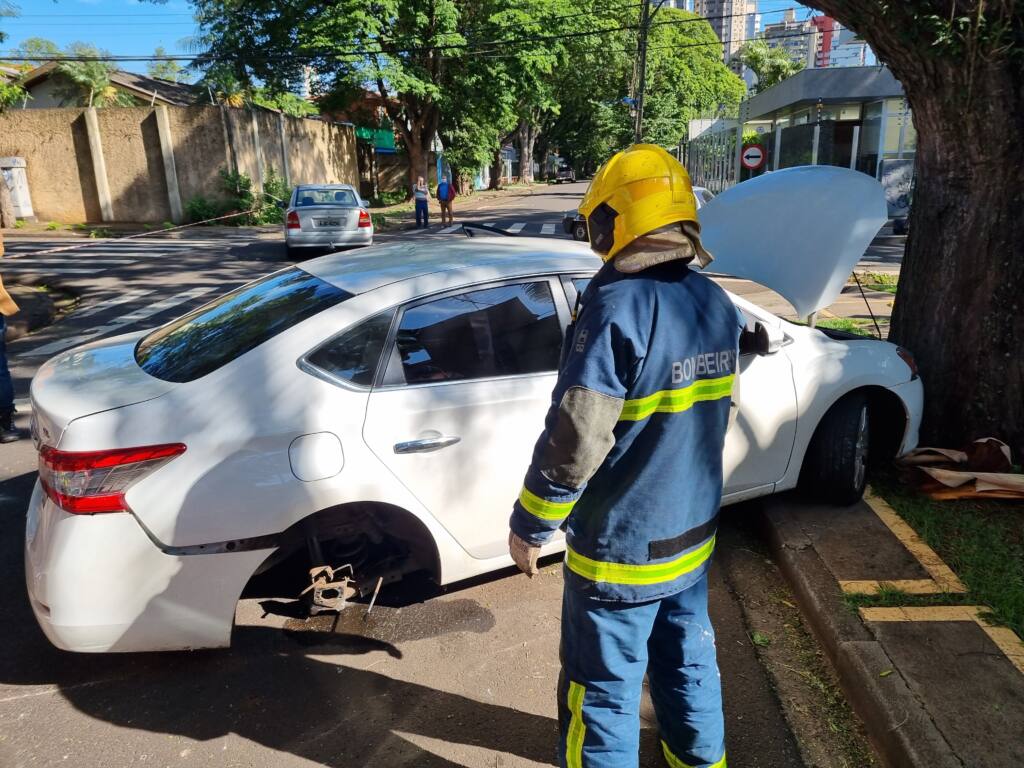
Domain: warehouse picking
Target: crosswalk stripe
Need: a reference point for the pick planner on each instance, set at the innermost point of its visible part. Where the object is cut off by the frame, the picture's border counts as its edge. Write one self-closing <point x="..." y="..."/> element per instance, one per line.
<point x="105" y="304"/>
<point x="49" y="270"/>
<point x="84" y="262"/>
<point x="514" y="228"/>
<point x="547" y="229"/>
<point x="139" y="314"/>
<point x="449" y="230"/>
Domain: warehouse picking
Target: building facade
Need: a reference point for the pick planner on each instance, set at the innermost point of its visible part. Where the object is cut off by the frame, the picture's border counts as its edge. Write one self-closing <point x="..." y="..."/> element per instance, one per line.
<point x="729" y="19"/>
<point x="828" y="33"/>
<point x="798" y="38"/>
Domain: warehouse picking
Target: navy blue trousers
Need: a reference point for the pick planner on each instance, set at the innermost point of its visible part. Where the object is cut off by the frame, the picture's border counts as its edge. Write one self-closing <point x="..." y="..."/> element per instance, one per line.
<point x="422" y="214"/>
<point x="607" y="648"/>
<point x="6" y="386"/>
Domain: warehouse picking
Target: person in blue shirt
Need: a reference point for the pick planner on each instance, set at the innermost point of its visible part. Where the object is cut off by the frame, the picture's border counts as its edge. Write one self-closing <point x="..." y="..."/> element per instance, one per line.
<point x="445" y="196"/>
<point x="630" y="465"/>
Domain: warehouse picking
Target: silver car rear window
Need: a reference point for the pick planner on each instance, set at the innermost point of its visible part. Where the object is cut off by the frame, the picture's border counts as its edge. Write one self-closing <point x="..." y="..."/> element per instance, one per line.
<point x="307" y="196"/>
<point x="215" y="334"/>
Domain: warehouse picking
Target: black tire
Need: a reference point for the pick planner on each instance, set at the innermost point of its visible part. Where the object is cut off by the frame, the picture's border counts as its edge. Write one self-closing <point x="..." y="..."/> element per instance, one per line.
<point x="579" y="230"/>
<point x="835" y="468"/>
<point x="292" y="254"/>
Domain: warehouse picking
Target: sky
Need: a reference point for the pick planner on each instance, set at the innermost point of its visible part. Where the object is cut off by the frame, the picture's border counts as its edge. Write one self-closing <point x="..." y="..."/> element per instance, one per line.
<point x="137" y="27"/>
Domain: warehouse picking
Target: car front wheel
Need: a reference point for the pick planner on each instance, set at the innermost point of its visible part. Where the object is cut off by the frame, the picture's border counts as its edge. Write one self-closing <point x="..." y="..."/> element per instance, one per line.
<point x="835" y="469"/>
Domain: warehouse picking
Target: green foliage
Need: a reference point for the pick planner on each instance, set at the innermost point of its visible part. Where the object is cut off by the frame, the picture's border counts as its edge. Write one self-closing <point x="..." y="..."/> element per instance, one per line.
<point x="11" y="95"/>
<point x="771" y="64"/>
<point x="165" y="70"/>
<point x="385" y="199"/>
<point x="52" y="226"/>
<point x="19" y="224"/>
<point x="200" y="208"/>
<point x="87" y="83"/>
<point x="37" y="50"/>
<point x="286" y="102"/>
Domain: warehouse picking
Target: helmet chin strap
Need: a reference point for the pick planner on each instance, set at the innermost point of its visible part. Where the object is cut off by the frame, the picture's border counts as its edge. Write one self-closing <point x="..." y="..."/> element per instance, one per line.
<point x="676" y="242"/>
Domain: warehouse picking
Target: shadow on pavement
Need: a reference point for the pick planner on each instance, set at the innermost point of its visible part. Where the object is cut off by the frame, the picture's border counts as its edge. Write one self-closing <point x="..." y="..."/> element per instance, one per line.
<point x="265" y="688"/>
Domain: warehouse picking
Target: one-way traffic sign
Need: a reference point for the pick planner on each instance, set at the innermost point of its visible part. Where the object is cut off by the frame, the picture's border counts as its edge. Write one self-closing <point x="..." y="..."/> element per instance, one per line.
<point x="753" y="157"/>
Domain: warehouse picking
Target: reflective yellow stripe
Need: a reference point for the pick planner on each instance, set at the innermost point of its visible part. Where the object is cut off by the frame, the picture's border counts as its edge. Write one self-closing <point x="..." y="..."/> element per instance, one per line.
<point x="677" y="400"/>
<point x="627" y="573"/>
<point x="675" y="762"/>
<point x="574" y="738"/>
<point x="545" y="510"/>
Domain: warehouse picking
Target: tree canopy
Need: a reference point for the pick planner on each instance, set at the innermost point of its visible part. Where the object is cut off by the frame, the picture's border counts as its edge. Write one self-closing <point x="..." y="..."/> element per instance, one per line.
<point x="771" y="64"/>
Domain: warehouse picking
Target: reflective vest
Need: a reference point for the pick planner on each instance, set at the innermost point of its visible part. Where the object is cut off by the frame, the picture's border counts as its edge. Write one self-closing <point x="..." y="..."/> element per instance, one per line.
<point x="630" y="461"/>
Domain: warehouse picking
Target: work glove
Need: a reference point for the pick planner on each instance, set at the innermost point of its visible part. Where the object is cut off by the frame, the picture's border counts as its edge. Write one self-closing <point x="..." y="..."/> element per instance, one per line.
<point x="524" y="554"/>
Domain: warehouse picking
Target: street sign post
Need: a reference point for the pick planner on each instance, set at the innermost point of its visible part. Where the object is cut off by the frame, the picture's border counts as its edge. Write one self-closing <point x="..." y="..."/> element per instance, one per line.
<point x="753" y="157"/>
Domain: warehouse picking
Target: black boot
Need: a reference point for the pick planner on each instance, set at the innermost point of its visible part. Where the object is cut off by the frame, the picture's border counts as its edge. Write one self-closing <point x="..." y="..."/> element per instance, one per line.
<point x="8" y="432"/>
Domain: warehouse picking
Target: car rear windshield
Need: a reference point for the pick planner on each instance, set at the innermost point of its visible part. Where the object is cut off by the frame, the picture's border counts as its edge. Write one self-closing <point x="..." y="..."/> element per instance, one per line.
<point x="310" y="196"/>
<point x="215" y="334"/>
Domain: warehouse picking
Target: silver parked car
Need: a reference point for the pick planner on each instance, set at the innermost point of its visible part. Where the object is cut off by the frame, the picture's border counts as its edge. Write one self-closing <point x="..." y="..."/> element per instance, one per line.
<point x="326" y="216"/>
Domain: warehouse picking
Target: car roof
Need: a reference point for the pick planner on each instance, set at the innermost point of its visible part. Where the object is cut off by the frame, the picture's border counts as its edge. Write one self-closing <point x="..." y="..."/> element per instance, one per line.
<point x="325" y="186"/>
<point x="370" y="268"/>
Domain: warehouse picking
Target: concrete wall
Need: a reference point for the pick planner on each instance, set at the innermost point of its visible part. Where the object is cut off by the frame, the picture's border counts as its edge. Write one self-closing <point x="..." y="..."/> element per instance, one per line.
<point x="65" y="180"/>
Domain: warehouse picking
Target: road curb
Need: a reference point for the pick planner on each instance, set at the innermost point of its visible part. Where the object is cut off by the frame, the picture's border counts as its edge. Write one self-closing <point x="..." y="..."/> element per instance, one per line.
<point x="896" y="722"/>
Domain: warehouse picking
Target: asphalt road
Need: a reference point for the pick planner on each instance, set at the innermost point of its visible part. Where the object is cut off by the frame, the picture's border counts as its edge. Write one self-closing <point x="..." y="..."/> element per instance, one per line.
<point x="460" y="678"/>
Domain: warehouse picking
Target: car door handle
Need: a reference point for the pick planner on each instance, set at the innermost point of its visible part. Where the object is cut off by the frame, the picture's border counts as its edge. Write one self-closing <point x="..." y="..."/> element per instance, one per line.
<point x="427" y="445"/>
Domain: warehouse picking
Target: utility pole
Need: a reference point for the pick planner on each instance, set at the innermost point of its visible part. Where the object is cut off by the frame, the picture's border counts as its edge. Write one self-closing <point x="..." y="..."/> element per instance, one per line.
<point x="646" y="16"/>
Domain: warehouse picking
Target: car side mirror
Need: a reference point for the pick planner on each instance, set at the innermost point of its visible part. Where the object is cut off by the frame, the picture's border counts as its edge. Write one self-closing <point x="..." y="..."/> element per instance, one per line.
<point x="763" y="340"/>
<point x="364" y="203"/>
<point x="282" y="204"/>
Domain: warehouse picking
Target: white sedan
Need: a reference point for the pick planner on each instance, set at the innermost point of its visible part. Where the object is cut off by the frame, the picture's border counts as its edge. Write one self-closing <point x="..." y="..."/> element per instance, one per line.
<point x="377" y="410"/>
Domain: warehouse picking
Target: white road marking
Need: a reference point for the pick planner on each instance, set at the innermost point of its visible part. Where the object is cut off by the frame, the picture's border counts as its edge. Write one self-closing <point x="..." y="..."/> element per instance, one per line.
<point x="514" y="228"/>
<point x="132" y="317"/>
<point x="449" y="230"/>
<point x="40" y="270"/>
<point x="14" y="261"/>
<point x="547" y="229"/>
<point x="105" y="304"/>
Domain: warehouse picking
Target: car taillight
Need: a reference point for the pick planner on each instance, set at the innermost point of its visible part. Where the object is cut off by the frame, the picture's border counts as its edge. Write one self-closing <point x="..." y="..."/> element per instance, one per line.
<point x="85" y="483"/>
<point x="908" y="358"/>
<point x="364" y="219"/>
<point x="293" y="220"/>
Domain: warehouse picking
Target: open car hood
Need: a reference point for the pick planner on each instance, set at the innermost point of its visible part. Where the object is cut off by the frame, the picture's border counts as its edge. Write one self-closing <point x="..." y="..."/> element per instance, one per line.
<point x="799" y="231"/>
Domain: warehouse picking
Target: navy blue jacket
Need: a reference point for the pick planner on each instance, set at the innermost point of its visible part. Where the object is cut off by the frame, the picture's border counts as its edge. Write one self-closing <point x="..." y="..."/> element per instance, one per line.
<point x="630" y="461"/>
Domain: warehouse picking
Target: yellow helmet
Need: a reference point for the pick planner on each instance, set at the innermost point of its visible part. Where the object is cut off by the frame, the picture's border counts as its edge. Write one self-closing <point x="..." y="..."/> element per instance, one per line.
<point x="639" y="190"/>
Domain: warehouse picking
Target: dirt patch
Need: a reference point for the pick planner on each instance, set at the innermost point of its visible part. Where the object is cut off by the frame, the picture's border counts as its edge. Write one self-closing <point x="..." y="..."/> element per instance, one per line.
<point x="828" y="734"/>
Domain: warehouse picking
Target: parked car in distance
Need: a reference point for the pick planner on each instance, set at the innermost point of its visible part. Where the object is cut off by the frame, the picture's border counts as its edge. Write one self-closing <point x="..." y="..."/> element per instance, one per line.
<point x="573" y="222"/>
<point x="326" y="216"/>
<point x="564" y="173"/>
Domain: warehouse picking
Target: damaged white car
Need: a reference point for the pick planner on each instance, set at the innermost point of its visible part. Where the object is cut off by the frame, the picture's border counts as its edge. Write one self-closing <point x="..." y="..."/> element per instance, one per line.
<point x="379" y="410"/>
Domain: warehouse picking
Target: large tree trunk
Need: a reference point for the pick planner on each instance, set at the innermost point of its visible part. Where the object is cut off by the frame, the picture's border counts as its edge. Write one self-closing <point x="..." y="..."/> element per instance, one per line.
<point x="960" y="304"/>
<point x="6" y="204"/>
<point x="543" y="147"/>
<point x="496" y="169"/>
<point x="527" y="137"/>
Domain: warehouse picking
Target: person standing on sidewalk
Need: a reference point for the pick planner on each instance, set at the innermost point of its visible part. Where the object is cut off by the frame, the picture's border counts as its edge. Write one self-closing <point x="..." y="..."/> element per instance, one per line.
<point x="8" y="432"/>
<point x="420" y="193"/>
<point x="630" y="464"/>
<point x="445" y="196"/>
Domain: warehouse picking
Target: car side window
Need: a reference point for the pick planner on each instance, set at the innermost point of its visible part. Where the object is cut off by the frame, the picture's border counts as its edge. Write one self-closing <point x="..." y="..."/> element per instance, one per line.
<point x="353" y="356"/>
<point x="504" y="331"/>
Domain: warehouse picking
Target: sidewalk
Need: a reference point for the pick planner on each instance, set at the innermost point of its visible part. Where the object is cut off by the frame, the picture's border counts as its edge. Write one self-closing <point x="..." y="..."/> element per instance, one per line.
<point x="934" y="682"/>
<point x="403" y="215"/>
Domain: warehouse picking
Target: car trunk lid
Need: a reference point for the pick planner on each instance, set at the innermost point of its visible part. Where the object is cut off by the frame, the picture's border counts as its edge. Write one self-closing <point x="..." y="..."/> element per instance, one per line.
<point x="322" y="218"/>
<point x="97" y="377"/>
<point x="799" y="231"/>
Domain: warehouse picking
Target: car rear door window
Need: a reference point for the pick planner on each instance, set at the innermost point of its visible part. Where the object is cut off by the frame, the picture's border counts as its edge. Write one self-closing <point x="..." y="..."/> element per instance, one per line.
<point x="215" y="334"/>
<point x="508" y="330"/>
<point x="353" y="356"/>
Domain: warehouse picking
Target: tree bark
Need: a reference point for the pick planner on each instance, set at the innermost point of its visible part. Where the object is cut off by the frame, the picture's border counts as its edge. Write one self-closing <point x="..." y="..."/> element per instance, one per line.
<point x="527" y="137"/>
<point x="496" y="170"/>
<point x="960" y="304"/>
<point x="542" y="147"/>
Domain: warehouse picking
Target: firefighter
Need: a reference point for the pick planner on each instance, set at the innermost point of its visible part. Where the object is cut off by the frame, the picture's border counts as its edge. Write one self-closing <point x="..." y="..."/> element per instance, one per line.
<point x="630" y="465"/>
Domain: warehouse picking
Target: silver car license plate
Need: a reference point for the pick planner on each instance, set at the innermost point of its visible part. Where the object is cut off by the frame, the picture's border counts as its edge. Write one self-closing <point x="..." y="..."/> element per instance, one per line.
<point x="328" y="222"/>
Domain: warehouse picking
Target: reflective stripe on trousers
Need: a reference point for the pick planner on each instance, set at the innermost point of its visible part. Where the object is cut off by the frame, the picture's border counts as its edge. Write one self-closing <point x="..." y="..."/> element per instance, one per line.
<point x="647" y="573"/>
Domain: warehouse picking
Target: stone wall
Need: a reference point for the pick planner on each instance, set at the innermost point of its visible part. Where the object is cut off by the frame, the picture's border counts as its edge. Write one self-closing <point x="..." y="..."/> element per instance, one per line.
<point x="68" y="185"/>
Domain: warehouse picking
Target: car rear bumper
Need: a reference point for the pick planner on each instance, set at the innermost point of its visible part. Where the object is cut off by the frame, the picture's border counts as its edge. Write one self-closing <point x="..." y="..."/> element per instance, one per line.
<point x="97" y="583"/>
<point x="297" y="238"/>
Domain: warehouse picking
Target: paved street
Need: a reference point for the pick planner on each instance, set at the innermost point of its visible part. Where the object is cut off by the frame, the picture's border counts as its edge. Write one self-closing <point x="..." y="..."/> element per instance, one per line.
<point x="464" y="678"/>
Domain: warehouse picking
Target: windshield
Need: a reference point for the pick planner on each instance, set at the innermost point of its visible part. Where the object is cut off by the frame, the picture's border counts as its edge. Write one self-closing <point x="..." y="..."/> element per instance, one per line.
<point x="215" y="334"/>
<point x="306" y="196"/>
